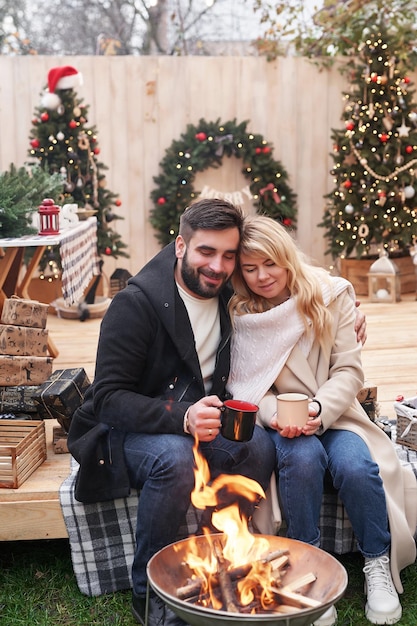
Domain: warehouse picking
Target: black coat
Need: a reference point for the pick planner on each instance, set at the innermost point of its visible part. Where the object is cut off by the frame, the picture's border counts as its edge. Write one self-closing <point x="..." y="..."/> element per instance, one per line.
<point x="147" y="375"/>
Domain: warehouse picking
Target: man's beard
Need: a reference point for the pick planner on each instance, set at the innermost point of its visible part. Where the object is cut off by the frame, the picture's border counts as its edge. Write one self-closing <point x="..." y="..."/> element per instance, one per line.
<point x="192" y="280"/>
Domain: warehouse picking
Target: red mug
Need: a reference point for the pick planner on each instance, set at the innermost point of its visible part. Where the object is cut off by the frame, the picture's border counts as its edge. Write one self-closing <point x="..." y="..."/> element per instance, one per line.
<point x="238" y="420"/>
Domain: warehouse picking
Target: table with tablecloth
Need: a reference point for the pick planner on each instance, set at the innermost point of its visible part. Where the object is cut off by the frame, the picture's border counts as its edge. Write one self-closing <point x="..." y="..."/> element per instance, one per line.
<point x="79" y="260"/>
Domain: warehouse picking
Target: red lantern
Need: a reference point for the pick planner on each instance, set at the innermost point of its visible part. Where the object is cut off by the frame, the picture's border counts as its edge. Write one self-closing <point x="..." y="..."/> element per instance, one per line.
<point x="48" y="217"/>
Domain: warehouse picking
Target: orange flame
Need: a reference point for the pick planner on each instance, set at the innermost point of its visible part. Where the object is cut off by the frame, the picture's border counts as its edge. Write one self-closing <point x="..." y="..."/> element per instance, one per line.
<point x="240" y="546"/>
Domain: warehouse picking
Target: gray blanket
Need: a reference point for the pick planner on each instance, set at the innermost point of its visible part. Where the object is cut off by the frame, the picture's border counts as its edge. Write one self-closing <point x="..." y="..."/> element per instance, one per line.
<point x="102" y="535"/>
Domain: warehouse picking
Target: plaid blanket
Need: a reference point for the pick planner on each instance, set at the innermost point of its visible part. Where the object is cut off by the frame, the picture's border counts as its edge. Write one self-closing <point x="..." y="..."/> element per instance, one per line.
<point x="102" y="535"/>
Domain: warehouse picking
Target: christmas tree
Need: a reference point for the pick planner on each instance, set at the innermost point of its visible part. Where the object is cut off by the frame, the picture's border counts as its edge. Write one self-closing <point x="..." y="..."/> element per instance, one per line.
<point x="62" y="143"/>
<point x="373" y="207"/>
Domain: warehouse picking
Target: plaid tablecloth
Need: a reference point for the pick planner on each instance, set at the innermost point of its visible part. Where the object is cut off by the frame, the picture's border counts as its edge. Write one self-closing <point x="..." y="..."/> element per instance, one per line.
<point x="79" y="260"/>
<point x="102" y="535"/>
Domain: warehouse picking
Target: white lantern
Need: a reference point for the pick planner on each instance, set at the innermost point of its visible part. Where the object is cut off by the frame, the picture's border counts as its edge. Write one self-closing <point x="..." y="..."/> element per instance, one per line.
<point x="384" y="284"/>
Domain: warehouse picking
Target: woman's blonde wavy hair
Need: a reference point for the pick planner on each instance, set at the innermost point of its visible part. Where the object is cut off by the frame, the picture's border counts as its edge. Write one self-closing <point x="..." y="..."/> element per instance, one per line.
<point x="264" y="237"/>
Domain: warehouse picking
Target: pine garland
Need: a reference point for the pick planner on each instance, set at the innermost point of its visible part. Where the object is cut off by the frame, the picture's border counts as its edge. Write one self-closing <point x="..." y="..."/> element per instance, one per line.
<point x="204" y="146"/>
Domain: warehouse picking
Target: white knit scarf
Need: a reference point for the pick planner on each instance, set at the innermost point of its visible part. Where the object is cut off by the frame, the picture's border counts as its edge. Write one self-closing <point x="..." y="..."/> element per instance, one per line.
<point x="262" y="343"/>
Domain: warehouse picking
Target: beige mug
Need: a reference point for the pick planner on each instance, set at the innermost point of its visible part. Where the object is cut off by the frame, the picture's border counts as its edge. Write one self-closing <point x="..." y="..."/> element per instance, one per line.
<point x="292" y="409"/>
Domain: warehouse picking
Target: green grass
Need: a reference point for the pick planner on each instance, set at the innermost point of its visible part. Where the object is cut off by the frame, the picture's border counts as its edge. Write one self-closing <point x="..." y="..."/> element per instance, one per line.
<point x="38" y="588"/>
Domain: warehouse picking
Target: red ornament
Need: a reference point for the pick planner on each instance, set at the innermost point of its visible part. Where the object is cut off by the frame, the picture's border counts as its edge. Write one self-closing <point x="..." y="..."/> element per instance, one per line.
<point x="118" y="202"/>
<point x="383" y="137"/>
<point x="35" y="121"/>
<point x="399" y="398"/>
<point x="44" y="116"/>
<point x="161" y="200"/>
<point x="108" y="251"/>
<point x="35" y="143"/>
<point x="350" y="125"/>
<point x="72" y="124"/>
<point x="374" y="77"/>
<point x="406" y="80"/>
<point x="409" y="149"/>
<point x="287" y="221"/>
<point x="96" y="150"/>
<point x="266" y="150"/>
<point x="201" y="136"/>
<point x="258" y="150"/>
<point x="347" y="184"/>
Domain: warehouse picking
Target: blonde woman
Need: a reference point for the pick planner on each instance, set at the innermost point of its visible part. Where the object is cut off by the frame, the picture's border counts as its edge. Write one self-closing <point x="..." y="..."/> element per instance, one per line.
<point x="294" y="332"/>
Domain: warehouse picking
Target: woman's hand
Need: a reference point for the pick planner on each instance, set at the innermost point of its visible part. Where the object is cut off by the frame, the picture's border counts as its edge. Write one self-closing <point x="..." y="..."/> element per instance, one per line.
<point x="310" y="428"/>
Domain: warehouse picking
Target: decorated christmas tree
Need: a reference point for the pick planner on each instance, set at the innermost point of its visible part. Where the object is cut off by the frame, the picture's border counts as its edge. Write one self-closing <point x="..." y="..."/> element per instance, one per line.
<point x="62" y="142"/>
<point x="373" y="206"/>
<point x="203" y="146"/>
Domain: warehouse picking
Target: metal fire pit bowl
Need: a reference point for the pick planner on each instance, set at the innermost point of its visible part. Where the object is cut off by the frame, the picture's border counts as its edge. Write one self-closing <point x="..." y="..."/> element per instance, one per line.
<point x="167" y="572"/>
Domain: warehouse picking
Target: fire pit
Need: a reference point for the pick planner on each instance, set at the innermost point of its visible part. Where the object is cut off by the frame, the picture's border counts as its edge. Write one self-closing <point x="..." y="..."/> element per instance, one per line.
<point x="169" y="573"/>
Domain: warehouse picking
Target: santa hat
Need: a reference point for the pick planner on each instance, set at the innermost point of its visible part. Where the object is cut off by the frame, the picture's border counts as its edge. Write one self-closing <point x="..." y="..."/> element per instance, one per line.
<point x="65" y="77"/>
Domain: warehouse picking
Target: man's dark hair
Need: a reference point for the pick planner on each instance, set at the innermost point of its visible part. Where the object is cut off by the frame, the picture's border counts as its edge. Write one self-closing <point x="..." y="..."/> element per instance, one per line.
<point x="210" y="214"/>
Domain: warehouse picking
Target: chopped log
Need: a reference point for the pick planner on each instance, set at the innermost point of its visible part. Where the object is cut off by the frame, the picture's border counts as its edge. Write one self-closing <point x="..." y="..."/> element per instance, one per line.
<point x="294" y="599"/>
<point x="193" y="587"/>
<point x="300" y="582"/>
<point x="224" y="579"/>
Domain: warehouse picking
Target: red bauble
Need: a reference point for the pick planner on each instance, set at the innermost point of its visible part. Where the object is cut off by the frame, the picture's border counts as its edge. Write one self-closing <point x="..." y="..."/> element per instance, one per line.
<point x="258" y="150"/>
<point x="266" y="150"/>
<point x="118" y="202"/>
<point x="409" y="149"/>
<point x="201" y="136"/>
<point x="44" y="116"/>
<point x="287" y="221"/>
<point x="35" y="121"/>
<point x="347" y="184"/>
<point x="96" y="150"/>
<point x="72" y="124"/>
<point x="350" y="125"/>
<point x="161" y="200"/>
<point x="374" y="77"/>
<point x="35" y="143"/>
<point x="383" y="137"/>
<point x="108" y="251"/>
<point x="406" y="80"/>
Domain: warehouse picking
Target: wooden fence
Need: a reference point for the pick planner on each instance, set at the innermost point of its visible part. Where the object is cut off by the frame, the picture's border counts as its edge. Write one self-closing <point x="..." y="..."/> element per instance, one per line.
<point x="141" y="104"/>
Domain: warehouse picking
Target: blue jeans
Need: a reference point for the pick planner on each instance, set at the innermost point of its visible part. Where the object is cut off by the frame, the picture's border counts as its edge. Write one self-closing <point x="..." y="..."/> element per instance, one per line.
<point x="301" y="464"/>
<point x="161" y="467"/>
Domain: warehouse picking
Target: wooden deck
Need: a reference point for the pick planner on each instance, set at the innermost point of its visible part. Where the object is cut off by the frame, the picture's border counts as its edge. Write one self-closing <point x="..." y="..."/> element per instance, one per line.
<point x="389" y="361"/>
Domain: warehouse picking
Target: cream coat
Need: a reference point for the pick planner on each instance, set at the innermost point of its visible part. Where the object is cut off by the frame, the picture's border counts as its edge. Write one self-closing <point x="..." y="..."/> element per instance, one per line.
<point x="333" y="374"/>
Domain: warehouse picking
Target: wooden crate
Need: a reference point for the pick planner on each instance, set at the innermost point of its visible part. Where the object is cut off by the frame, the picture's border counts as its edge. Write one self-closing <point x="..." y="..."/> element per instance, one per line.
<point x="356" y="271"/>
<point x="22" y="450"/>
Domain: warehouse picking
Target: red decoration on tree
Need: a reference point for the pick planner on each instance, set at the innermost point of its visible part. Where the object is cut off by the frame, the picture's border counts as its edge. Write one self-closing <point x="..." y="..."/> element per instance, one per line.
<point x="374" y="77"/>
<point x="201" y="136"/>
<point x="406" y="79"/>
<point x="118" y="202"/>
<point x="409" y="149"/>
<point x="161" y="200"/>
<point x="108" y="251"/>
<point x="35" y="143"/>
<point x="44" y="116"/>
<point x="35" y="121"/>
<point x="96" y="150"/>
<point x="258" y="150"/>
<point x="383" y="137"/>
<point x="266" y="150"/>
<point x="72" y="124"/>
<point x="347" y="184"/>
<point x="287" y="221"/>
<point x="350" y="125"/>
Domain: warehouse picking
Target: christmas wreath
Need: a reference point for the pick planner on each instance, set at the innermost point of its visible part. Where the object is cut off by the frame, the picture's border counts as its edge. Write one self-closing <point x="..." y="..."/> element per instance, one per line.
<point x="204" y="146"/>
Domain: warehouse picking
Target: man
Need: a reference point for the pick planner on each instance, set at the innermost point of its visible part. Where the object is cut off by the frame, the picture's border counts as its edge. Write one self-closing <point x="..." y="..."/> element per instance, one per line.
<point x="161" y="370"/>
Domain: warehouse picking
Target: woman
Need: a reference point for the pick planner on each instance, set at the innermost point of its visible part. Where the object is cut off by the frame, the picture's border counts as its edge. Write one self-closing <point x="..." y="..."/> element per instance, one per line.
<point x="294" y="325"/>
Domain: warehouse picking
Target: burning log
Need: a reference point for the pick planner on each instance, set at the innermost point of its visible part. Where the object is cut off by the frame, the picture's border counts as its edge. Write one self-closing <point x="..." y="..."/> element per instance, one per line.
<point x="278" y="558"/>
<point x="224" y="579"/>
